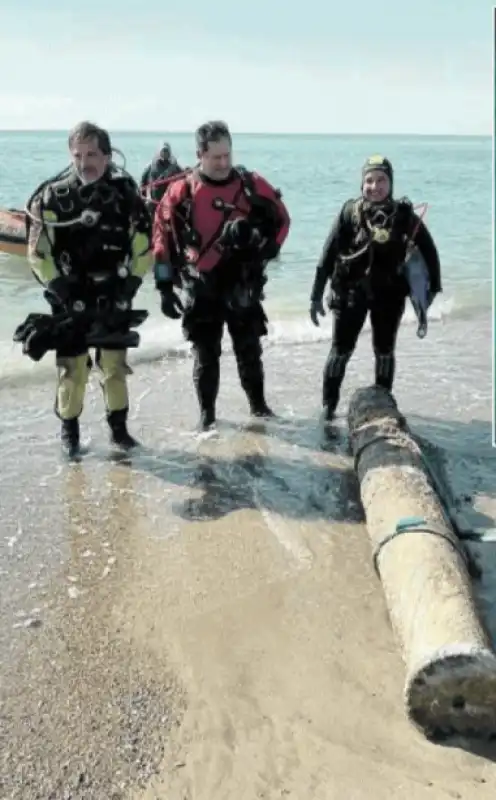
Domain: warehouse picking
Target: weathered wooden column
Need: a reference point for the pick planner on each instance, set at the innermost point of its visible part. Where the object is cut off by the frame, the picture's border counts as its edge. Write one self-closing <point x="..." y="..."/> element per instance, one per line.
<point x="451" y="667"/>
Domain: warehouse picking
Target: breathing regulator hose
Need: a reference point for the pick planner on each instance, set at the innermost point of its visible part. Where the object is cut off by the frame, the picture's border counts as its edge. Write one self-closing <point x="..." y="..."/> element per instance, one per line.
<point x="88" y="218"/>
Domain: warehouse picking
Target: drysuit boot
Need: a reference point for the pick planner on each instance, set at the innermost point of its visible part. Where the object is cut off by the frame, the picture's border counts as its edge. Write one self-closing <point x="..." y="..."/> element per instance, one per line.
<point x="385" y="364"/>
<point x="251" y="375"/>
<point x="207" y="419"/>
<point x="69" y="437"/>
<point x="334" y="372"/>
<point x="206" y="377"/>
<point x="330" y="400"/>
<point x="257" y="401"/>
<point x="119" y="434"/>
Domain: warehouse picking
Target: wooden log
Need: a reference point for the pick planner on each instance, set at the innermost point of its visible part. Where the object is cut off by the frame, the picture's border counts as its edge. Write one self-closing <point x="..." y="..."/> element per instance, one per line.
<point x="450" y="684"/>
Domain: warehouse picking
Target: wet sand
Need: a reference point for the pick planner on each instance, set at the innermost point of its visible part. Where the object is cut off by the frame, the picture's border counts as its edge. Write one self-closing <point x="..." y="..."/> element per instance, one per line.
<point x="203" y="622"/>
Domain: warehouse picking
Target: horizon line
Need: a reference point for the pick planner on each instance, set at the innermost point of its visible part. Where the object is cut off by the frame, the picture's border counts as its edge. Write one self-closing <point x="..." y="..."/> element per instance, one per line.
<point x="163" y="131"/>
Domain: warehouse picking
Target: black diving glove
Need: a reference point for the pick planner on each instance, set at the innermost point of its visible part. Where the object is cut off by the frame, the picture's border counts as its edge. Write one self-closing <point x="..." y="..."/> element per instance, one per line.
<point x="237" y="234"/>
<point x="170" y="303"/>
<point x="60" y="290"/>
<point x="316" y="310"/>
<point x="269" y="250"/>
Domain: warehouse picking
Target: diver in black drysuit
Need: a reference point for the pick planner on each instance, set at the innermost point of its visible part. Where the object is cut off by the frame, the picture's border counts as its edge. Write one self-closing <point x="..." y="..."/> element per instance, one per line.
<point x="153" y="182"/>
<point x="362" y="258"/>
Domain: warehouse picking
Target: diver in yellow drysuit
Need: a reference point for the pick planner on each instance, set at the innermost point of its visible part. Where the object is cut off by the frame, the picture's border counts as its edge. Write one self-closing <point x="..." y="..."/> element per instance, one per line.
<point x="88" y="244"/>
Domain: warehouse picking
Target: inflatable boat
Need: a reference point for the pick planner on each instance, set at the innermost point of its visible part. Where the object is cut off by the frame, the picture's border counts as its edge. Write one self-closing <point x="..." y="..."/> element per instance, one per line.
<point x="13" y="232"/>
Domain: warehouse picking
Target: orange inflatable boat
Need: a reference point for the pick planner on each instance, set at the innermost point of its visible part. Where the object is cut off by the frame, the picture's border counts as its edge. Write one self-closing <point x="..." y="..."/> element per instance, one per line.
<point x="13" y="232"/>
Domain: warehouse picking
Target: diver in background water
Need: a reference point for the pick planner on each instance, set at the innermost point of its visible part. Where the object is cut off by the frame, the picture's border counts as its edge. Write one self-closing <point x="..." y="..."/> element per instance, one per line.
<point x="89" y="246"/>
<point x="362" y="258"/>
<point x="153" y="184"/>
<point x="214" y="232"/>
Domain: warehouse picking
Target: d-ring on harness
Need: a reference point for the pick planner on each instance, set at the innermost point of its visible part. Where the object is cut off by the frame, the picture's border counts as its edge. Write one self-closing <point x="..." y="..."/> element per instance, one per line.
<point x="87" y="218"/>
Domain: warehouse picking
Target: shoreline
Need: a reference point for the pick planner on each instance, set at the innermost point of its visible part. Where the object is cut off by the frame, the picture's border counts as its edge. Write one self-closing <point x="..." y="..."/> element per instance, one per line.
<point x="156" y="348"/>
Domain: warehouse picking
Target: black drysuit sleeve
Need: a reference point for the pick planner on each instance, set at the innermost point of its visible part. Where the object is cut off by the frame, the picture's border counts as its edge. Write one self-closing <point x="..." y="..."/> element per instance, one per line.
<point x="333" y="245"/>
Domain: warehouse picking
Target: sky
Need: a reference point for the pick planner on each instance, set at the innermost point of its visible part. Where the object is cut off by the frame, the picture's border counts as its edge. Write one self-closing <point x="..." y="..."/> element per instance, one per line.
<point x="271" y="66"/>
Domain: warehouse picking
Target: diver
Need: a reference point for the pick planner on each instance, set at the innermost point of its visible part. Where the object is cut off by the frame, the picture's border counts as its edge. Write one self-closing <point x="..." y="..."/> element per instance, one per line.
<point x="363" y="258"/>
<point x="154" y="178"/>
<point x="89" y="245"/>
<point x="214" y="232"/>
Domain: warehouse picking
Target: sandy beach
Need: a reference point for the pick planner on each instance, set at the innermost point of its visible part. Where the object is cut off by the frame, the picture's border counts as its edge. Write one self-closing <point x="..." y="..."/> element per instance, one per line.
<point x="203" y="622"/>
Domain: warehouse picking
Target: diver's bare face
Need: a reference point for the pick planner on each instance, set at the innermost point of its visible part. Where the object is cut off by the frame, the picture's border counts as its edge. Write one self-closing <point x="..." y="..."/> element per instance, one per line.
<point x="216" y="162"/>
<point x="376" y="186"/>
<point x="89" y="161"/>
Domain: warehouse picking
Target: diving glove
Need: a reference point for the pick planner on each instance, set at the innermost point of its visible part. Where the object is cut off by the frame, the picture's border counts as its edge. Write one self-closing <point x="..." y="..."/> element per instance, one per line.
<point x="170" y="303"/>
<point x="59" y="289"/>
<point x="269" y="250"/>
<point x="316" y="310"/>
<point x="237" y="234"/>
